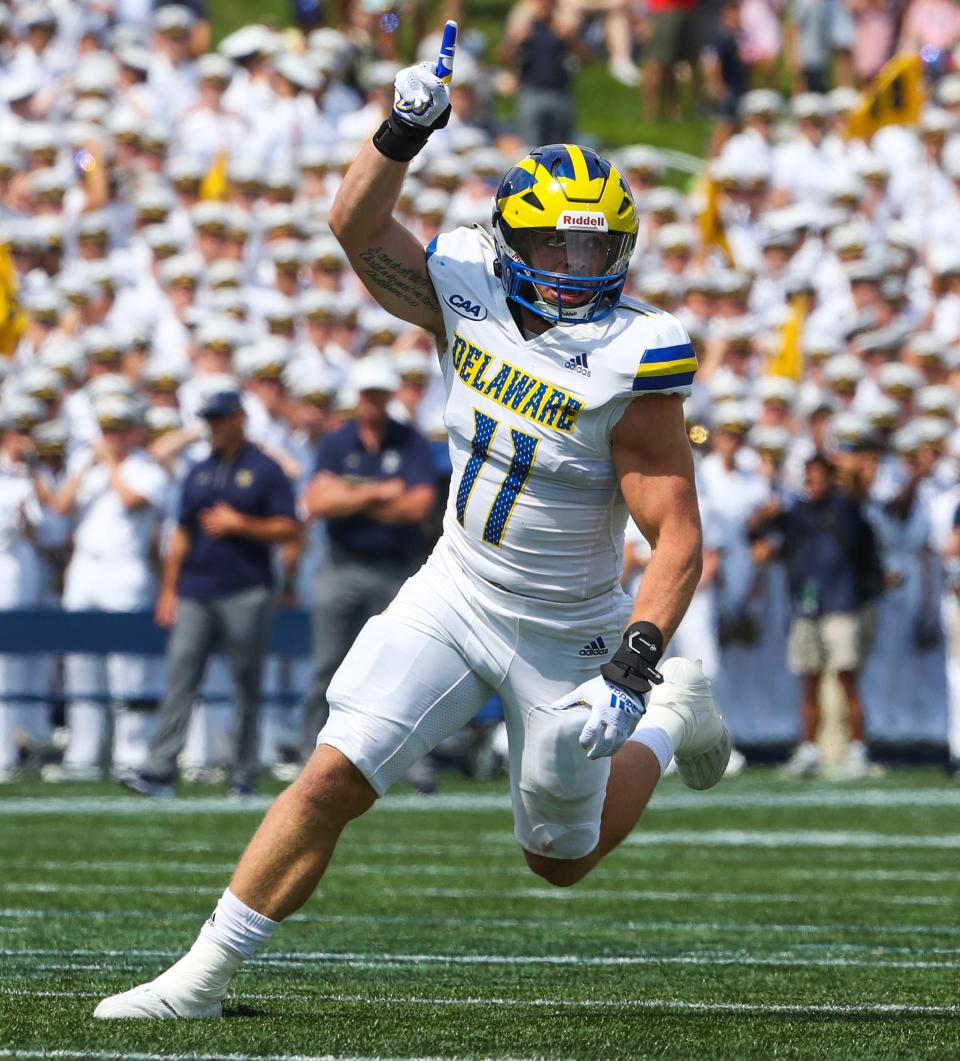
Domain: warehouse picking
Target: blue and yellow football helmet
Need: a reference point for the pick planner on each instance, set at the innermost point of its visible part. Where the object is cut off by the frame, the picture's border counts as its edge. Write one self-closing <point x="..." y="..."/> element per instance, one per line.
<point x="565" y="226"/>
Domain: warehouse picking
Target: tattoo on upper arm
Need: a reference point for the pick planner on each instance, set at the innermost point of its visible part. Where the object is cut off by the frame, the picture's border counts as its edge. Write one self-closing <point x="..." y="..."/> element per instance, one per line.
<point x="408" y="284"/>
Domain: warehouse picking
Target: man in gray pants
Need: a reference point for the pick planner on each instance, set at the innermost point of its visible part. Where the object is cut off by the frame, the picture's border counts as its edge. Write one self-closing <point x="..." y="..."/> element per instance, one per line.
<point x="374" y="485"/>
<point x="218" y="590"/>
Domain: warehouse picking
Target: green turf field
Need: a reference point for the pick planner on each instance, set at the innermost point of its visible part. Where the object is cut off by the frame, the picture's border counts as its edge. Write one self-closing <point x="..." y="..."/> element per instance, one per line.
<point x="766" y="919"/>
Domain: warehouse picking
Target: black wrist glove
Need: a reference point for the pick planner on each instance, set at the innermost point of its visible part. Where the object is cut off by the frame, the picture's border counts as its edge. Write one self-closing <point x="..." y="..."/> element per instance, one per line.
<point x="634" y="664"/>
<point x="402" y="140"/>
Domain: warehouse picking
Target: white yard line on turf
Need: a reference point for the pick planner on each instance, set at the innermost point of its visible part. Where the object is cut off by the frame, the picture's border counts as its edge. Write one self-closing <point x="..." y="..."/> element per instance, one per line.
<point x="759" y="1009"/>
<point x="837" y="796"/>
<point x="360" y="959"/>
<point x="481" y="922"/>
<point x="128" y="1055"/>
<point x="365" y="869"/>
<point x="52" y="888"/>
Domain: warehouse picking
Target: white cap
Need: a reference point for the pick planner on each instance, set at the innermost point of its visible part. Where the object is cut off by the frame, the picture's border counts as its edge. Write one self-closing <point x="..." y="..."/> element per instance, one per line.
<point x="937" y="400"/>
<point x="850" y="426"/>
<point x="776" y="389"/>
<point x="224" y="273"/>
<point x="180" y="267"/>
<point x="677" y="236"/>
<point x="377" y="321"/>
<point x="414" y="363"/>
<point x="44" y="301"/>
<point x="217" y="330"/>
<point x="899" y="377"/>
<point x="246" y="41"/>
<point x="162" y="418"/>
<point x="264" y="359"/>
<point x="327" y="251"/>
<point x="310" y="380"/>
<point x="315" y="301"/>
<point x="116" y="409"/>
<point x="882" y="411"/>
<point x="41" y="381"/>
<point x="380" y="74"/>
<point x="64" y="355"/>
<point x="166" y="371"/>
<point x="842" y="100"/>
<point x="22" y="413"/>
<point x="948" y="90"/>
<point x="732" y="415"/>
<point x="171" y="17"/>
<point x="298" y="70"/>
<point x="278" y="307"/>
<point x="641" y="157"/>
<point x="95" y="73"/>
<point x="770" y="439"/>
<point x="20" y="85"/>
<point x="936" y="121"/>
<point x="208" y="214"/>
<point x="843" y="368"/>
<point x="727" y="388"/>
<point x="931" y="429"/>
<point x="760" y="101"/>
<point x="374" y="373"/>
<point x="135" y="57"/>
<point x="51" y="434"/>
<point x="36" y="13"/>
<point x="808" y="105"/>
<point x="214" y="67"/>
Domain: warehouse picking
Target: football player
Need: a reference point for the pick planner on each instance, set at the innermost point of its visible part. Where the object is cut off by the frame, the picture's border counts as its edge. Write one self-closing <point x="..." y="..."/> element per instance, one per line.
<point x="564" y="411"/>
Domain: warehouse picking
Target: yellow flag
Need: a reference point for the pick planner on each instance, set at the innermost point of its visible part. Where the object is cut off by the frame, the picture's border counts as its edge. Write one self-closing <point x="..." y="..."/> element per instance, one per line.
<point x="214" y="184"/>
<point x="788" y="360"/>
<point x="711" y="220"/>
<point x="894" y="98"/>
<point x="13" y="321"/>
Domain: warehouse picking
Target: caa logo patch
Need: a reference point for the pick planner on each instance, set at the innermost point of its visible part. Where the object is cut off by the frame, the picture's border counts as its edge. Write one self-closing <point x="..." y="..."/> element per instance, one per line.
<point x="471" y="310"/>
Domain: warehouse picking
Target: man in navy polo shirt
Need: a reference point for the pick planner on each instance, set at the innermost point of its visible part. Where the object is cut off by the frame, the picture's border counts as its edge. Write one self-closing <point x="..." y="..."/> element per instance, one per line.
<point x="374" y="485"/>
<point x="218" y="589"/>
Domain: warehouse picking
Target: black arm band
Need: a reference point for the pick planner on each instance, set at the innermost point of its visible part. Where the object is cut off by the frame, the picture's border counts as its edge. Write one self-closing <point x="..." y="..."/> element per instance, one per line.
<point x="402" y="140"/>
<point x="634" y="664"/>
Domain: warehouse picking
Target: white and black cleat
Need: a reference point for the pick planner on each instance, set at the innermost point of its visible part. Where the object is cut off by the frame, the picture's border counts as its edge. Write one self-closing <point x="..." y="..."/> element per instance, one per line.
<point x="146" y="1003"/>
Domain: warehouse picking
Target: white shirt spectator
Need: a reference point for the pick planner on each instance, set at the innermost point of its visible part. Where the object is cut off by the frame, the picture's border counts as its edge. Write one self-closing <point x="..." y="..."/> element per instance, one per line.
<point x="105" y="526"/>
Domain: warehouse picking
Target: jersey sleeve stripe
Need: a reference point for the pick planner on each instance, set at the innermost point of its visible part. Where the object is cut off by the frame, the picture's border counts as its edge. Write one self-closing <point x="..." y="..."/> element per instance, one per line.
<point x="660" y="383"/>
<point x="667" y="353"/>
<point x="667" y="368"/>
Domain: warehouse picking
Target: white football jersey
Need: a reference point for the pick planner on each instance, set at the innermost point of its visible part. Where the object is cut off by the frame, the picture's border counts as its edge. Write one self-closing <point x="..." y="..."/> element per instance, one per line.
<point x="534" y="505"/>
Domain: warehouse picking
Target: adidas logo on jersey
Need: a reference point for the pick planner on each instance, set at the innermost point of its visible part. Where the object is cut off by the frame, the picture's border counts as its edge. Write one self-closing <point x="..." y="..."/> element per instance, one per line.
<point x="578" y="364"/>
<point x="595" y="648"/>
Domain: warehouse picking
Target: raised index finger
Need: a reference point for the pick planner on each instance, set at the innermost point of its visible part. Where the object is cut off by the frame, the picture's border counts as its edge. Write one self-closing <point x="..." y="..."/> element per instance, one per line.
<point x="448" y="46"/>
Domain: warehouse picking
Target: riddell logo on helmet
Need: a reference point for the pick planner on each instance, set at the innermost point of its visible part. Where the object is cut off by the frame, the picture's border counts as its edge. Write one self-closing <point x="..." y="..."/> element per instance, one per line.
<point x="582" y="219"/>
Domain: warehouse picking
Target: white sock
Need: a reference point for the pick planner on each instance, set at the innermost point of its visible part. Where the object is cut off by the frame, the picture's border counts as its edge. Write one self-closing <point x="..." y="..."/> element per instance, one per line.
<point x="235" y="926"/>
<point x="657" y="739"/>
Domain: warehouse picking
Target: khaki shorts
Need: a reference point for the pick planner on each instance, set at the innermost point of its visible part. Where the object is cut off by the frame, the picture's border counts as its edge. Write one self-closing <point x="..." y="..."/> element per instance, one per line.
<point x="673" y="36"/>
<point x="834" y="642"/>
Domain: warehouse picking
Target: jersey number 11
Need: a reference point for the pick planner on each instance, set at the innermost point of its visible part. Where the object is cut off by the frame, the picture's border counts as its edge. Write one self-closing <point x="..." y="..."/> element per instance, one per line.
<point x="524" y="452"/>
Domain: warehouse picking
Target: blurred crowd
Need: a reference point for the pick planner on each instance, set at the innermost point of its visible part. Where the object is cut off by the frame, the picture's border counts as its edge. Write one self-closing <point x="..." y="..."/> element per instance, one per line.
<point x="163" y="237"/>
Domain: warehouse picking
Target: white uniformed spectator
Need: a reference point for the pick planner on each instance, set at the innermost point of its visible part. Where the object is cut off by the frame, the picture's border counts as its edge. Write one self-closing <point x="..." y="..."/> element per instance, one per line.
<point x="21" y="716"/>
<point x="115" y="494"/>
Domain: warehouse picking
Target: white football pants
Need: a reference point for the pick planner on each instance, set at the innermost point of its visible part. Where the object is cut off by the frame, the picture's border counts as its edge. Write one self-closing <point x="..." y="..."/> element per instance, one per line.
<point x="420" y="671"/>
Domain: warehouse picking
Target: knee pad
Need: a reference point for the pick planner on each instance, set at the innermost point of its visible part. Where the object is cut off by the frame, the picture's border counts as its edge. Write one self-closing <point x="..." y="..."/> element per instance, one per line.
<point x="561" y="791"/>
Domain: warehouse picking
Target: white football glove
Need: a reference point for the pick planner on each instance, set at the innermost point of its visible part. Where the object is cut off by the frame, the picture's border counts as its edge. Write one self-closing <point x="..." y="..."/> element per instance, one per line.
<point x="614" y="714"/>
<point x="420" y="96"/>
